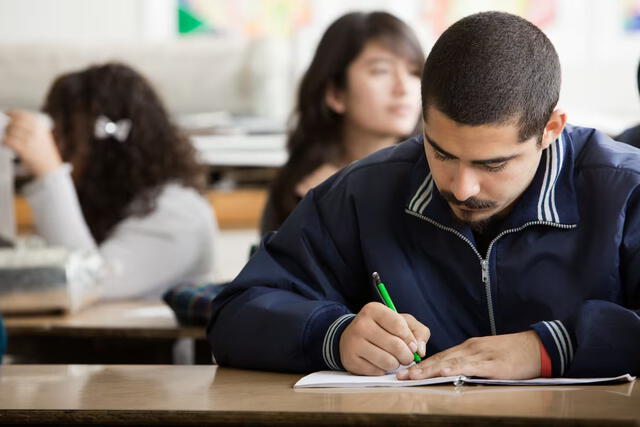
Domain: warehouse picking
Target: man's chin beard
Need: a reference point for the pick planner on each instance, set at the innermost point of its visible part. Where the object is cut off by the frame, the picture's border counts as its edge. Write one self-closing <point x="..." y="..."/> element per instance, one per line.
<point x="478" y="226"/>
<point x="481" y="226"/>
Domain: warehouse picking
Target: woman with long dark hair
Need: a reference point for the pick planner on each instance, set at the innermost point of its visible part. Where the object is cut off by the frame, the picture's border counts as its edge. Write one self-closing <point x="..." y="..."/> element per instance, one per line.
<point x="115" y="175"/>
<point x="361" y="93"/>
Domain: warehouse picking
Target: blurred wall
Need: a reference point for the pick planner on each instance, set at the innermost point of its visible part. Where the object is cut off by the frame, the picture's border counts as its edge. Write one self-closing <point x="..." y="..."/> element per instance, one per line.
<point x="74" y="20"/>
<point x="598" y="56"/>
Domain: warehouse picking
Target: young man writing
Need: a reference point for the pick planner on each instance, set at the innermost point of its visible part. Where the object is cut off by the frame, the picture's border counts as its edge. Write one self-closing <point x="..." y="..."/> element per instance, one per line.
<point x="509" y="241"/>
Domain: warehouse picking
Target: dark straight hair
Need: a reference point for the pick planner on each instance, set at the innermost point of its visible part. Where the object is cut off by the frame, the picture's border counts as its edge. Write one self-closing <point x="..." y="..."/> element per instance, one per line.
<point x="493" y="68"/>
<point x="315" y="136"/>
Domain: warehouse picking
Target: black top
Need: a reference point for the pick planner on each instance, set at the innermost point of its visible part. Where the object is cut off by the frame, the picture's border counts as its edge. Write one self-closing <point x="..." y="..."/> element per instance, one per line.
<point x="630" y="136"/>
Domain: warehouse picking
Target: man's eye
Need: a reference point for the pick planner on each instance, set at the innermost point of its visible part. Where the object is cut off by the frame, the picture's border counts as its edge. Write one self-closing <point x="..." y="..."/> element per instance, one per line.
<point x="441" y="156"/>
<point x="495" y="167"/>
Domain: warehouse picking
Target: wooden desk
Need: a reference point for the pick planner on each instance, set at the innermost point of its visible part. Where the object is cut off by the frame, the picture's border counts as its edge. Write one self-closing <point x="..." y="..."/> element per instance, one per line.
<point x="76" y="394"/>
<point x="234" y="209"/>
<point x="238" y="208"/>
<point x="109" y="332"/>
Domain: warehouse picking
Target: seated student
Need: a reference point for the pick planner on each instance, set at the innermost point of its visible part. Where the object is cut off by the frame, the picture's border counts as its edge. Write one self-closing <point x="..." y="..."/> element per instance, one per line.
<point x="116" y="176"/>
<point x="509" y="241"/>
<point x="361" y="93"/>
<point x="631" y="136"/>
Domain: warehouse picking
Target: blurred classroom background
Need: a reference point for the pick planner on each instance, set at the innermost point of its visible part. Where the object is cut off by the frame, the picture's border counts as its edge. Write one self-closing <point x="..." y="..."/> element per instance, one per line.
<point x="228" y="71"/>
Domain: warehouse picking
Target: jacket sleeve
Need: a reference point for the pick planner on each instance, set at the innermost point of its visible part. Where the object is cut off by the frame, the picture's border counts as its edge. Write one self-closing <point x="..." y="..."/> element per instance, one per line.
<point x="288" y="306"/>
<point x="602" y="338"/>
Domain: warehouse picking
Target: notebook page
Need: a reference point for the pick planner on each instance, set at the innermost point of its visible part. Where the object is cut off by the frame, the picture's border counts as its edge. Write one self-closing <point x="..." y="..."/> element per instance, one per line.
<point x="552" y="381"/>
<point x="345" y="379"/>
<point x="335" y="379"/>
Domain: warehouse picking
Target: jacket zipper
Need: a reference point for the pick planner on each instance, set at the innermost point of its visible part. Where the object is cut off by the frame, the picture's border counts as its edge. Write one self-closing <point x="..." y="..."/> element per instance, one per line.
<point x="484" y="262"/>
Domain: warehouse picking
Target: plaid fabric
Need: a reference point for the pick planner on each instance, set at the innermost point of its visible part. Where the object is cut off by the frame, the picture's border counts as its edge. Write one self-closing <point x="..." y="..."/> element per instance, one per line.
<point x="191" y="303"/>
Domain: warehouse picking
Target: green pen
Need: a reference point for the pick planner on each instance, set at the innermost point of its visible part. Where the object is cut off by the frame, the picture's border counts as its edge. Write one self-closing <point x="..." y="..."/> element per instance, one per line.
<point x="384" y="295"/>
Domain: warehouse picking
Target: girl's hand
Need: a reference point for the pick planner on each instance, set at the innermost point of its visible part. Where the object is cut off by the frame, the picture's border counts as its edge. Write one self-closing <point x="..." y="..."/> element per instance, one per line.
<point x="29" y="135"/>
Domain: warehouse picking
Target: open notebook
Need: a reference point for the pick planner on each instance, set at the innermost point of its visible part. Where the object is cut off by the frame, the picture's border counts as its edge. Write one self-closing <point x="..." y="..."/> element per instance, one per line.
<point x="345" y="379"/>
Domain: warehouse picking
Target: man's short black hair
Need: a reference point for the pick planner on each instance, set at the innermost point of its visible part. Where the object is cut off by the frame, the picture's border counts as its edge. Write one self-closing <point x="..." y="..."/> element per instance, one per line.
<point x="493" y="68"/>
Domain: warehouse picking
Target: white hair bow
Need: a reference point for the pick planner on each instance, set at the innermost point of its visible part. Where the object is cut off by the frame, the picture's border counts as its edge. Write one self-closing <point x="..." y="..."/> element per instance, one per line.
<point x="105" y="128"/>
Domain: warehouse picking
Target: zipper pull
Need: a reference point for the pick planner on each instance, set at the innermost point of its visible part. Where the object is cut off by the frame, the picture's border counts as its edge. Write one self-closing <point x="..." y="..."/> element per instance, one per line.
<point x="485" y="271"/>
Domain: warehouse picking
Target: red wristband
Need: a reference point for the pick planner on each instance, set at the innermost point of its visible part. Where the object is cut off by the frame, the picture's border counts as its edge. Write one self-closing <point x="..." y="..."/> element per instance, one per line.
<point x="545" y="362"/>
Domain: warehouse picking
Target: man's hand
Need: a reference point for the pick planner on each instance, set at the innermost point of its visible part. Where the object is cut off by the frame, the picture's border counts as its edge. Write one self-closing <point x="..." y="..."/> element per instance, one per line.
<point x="29" y="136"/>
<point x="379" y="340"/>
<point x="509" y="357"/>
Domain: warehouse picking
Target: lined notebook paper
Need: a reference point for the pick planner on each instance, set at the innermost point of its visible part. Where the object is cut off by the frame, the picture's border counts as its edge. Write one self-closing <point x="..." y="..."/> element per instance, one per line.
<point x="332" y="379"/>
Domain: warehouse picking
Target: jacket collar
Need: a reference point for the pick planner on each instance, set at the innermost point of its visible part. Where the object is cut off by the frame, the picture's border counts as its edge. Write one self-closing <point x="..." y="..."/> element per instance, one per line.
<point x="550" y="199"/>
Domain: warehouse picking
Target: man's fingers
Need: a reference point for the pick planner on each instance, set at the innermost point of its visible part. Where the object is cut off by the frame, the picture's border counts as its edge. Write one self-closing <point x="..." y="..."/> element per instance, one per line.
<point x="450" y="358"/>
<point x="419" y="331"/>
<point x="452" y="367"/>
<point x="442" y="368"/>
<point x="378" y="357"/>
<point x="391" y="344"/>
<point x="509" y="356"/>
<point x="392" y="322"/>
<point x="364" y="367"/>
<point x="468" y="348"/>
<point x="383" y="338"/>
<point x="468" y="358"/>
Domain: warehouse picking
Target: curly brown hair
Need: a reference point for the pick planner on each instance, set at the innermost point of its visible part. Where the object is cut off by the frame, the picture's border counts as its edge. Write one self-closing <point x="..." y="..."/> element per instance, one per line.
<point x="110" y="175"/>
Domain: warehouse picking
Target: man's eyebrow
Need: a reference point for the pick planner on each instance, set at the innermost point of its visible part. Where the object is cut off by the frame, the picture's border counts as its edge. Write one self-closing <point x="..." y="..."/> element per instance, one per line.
<point x="475" y="162"/>
<point x="437" y="147"/>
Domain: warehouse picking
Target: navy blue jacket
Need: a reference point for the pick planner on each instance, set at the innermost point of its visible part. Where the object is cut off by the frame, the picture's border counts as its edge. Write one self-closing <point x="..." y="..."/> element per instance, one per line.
<point x="566" y="263"/>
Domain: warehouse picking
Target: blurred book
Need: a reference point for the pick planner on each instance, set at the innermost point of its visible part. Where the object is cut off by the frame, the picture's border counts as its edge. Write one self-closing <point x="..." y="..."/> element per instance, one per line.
<point x="223" y="123"/>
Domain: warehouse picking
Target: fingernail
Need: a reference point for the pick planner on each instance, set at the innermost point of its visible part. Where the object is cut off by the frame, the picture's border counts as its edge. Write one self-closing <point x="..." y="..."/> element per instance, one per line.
<point x="413" y="346"/>
<point x="401" y="375"/>
<point x="423" y="348"/>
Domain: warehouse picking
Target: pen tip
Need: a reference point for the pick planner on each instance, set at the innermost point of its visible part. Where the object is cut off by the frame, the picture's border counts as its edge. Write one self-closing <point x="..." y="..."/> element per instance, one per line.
<point x="375" y="275"/>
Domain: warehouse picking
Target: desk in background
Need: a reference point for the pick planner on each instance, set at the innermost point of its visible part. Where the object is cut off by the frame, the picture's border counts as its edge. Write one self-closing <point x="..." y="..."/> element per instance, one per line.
<point x="235" y="209"/>
<point x="263" y="150"/>
<point x="108" y="332"/>
<point x="179" y="395"/>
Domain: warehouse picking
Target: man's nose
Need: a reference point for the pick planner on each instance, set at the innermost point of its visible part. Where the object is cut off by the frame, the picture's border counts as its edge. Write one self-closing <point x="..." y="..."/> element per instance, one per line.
<point x="465" y="183"/>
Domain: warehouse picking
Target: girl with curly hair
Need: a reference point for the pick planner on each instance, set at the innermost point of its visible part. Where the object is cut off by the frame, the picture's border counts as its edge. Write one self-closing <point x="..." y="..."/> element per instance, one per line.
<point x="115" y="175"/>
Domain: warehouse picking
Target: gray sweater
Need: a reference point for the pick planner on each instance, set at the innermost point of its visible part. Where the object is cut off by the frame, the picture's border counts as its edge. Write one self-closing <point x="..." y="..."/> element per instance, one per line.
<point x="145" y="255"/>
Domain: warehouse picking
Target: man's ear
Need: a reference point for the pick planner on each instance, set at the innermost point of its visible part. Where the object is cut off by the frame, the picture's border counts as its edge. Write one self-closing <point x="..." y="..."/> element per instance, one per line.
<point x="334" y="98"/>
<point x="553" y="128"/>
